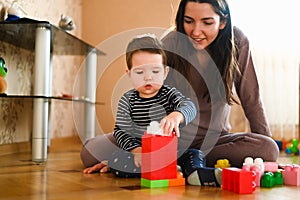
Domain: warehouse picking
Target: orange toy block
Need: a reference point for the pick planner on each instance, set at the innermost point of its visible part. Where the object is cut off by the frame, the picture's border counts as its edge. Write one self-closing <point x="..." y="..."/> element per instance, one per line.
<point x="179" y="181"/>
<point x="159" y="157"/>
<point x="238" y="180"/>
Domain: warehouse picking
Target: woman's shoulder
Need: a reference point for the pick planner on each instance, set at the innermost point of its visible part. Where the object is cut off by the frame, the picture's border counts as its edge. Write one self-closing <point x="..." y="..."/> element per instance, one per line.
<point x="169" y="34"/>
<point x="240" y="38"/>
<point x="169" y="38"/>
<point x="172" y="39"/>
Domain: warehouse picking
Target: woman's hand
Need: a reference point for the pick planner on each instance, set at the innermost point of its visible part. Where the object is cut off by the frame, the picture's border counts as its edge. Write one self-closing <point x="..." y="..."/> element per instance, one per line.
<point x="100" y="167"/>
<point x="171" y="123"/>
<point x="137" y="152"/>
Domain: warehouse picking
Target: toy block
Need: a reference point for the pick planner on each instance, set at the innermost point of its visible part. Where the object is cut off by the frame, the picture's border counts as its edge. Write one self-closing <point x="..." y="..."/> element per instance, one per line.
<point x="270" y="179"/>
<point x="271" y="166"/>
<point x="284" y="144"/>
<point x="291" y="175"/>
<point x="255" y="165"/>
<point x="292" y="147"/>
<point x="222" y="163"/>
<point x="257" y="170"/>
<point x="176" y="182"/>
<point x="179" y="181"/>
<point x="238" y="180"/>
<point x="154" y="183"/>
<point x="267" y="180"/>
<point x="162" y="183"/>
<point x="278" y="178"/>
<point x="159" y="157"/>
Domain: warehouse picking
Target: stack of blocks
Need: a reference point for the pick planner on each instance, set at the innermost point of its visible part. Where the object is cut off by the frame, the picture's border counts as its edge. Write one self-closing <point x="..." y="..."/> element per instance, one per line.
<point x="159" y="161"/>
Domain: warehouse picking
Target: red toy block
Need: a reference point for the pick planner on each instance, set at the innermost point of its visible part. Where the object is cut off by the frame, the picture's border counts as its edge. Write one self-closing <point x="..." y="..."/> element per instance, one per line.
<point x="159" y="157"/>
<point x="271" y="166"/>
<point x="291" y="175"/>
<point x="238" y="180"/>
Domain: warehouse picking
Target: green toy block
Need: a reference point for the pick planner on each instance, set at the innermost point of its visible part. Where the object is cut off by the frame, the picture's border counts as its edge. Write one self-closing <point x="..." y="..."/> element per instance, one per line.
<point x="154" y="183"/>
<point x="267" y="180"/>
<point x="278" y="178"/>
<point x="270" y="179"/>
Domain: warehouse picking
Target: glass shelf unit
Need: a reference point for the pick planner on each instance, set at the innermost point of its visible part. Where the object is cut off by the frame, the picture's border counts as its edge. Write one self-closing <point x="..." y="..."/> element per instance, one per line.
<point x="46" y="40"/>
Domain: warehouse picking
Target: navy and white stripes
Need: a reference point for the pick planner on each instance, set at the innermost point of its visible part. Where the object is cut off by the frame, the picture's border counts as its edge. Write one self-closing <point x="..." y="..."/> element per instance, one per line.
<point x="135" y="114"/>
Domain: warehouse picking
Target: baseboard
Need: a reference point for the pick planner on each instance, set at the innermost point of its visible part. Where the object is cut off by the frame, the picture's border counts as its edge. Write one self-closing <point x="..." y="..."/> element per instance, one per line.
<point x="72" y="143"/>
<point x="6" y="149"/>
<point x="64" y="144"/>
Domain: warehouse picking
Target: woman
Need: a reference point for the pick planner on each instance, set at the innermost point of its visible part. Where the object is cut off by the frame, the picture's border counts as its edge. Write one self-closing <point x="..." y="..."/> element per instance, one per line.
<point x="214" y="57"/>
<point x="204" y="33"/>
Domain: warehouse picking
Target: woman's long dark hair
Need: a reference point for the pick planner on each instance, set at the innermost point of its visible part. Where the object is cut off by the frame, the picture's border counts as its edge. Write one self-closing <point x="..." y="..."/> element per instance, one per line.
<point x="222" y="50"/>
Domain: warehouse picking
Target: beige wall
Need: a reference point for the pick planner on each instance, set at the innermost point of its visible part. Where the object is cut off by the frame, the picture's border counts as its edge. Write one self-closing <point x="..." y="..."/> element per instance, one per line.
<point x="102" y="20"/>
<point x="105" y="19"/>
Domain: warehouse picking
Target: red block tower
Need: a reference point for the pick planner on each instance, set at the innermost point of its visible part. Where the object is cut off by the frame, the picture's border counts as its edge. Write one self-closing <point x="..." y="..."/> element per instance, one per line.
<point x="159" y="157"/>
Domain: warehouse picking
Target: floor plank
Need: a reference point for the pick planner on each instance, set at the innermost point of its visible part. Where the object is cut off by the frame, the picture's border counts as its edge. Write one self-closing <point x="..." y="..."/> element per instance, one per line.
<point x="61" y="178"/>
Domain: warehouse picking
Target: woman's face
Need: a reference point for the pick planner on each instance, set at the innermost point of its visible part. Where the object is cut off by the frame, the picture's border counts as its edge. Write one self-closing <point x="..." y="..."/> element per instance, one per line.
<point x="202" y="24"/>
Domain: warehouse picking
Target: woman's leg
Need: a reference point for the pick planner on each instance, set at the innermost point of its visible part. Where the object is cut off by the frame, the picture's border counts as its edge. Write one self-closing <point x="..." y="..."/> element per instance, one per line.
<point x="98" y="149"/>
<point x="237" y="146"/>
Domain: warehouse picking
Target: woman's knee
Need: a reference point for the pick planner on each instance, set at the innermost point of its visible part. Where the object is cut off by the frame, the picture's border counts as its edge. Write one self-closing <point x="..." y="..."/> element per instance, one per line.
<point x="270" y="150"/>
<point x="98" y="149"/>
<point x="87" y="158"/>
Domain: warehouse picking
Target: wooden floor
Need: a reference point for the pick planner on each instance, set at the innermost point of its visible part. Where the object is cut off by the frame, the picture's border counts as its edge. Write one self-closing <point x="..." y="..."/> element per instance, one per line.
<point x="61" y="177"/>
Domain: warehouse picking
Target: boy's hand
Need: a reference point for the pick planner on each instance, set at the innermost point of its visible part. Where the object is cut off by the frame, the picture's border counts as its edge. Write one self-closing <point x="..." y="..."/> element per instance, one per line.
<point x="137" y="152"/>
<point x="171" y="123"/>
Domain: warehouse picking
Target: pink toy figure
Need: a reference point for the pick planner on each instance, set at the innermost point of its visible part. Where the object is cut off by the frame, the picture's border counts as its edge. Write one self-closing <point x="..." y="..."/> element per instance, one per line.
<point x="291" y="175"/>
<point x="159" y="156"/>
<point x="238" y="180"/>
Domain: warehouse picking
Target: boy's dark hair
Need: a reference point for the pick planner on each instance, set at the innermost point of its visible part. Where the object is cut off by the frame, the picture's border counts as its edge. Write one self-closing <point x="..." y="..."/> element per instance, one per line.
<point x="147" y="42"/>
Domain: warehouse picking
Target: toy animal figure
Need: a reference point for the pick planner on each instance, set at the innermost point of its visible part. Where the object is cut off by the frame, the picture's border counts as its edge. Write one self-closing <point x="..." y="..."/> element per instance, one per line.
<point x="66" y="23"/>
<point x="3" y="71"/>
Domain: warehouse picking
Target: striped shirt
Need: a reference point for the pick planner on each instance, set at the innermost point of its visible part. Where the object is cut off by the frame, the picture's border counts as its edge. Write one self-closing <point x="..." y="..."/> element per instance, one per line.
<point x="135" y="114"/>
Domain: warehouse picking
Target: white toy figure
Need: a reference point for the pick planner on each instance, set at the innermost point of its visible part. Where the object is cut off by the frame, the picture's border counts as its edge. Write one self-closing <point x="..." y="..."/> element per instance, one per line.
<point x="154" y="128"/>
<point x="14" y="12"/>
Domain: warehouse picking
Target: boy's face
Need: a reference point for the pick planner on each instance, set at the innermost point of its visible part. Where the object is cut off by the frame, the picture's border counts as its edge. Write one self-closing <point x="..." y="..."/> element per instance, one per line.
<point x="147" y="73"/>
